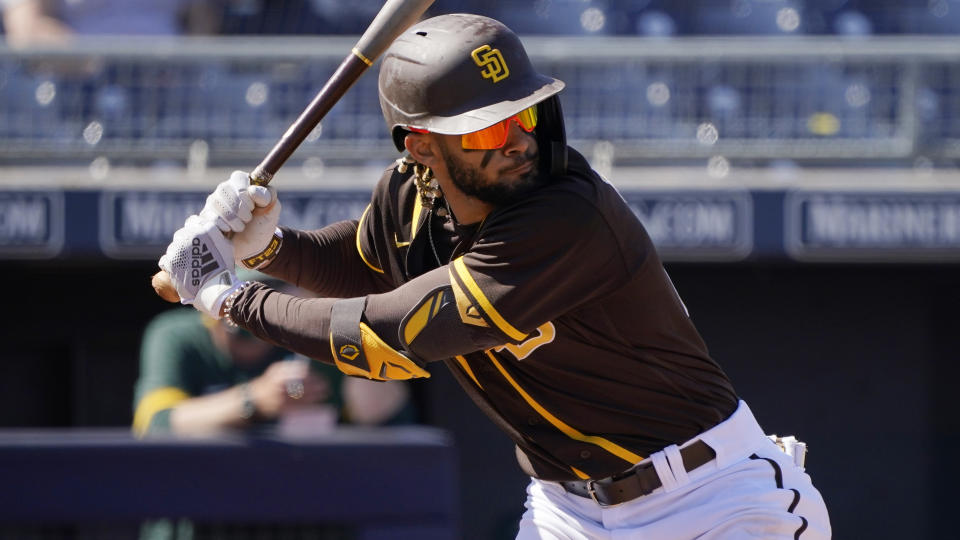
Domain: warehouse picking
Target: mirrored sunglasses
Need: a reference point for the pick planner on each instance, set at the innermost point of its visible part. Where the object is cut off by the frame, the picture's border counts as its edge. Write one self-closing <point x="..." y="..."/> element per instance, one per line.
<point x="495" y="136"/>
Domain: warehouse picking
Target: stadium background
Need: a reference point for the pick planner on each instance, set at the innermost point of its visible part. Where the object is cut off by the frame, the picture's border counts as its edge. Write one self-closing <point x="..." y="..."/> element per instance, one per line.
<point x="794" y="160"/>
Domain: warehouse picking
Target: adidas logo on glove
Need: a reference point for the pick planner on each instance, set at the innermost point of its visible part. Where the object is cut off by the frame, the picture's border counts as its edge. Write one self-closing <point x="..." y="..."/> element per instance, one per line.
<point x="202" y="261"/>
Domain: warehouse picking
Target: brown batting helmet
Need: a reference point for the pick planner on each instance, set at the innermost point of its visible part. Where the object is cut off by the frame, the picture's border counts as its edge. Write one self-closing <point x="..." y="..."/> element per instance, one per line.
<point x="460" y="73"/>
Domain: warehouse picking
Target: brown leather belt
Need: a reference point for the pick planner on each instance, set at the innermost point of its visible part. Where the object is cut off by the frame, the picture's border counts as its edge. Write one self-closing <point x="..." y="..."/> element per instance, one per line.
<point x="637" y="481"/>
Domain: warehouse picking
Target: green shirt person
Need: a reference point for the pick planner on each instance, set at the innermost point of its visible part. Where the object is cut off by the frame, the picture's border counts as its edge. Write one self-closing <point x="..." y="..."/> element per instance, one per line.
<point x="201" y="376"/>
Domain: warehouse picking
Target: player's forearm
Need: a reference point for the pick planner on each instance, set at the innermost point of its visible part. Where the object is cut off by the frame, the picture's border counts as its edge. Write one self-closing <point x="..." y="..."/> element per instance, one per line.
<point x="211" y="413"/>
<point x="325" y="262"/>
<point x="300" y="325"/>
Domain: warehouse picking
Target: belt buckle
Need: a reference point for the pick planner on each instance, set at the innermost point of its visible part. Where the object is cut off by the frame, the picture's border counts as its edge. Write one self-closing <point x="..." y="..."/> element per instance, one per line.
<point x="593" y="495"/>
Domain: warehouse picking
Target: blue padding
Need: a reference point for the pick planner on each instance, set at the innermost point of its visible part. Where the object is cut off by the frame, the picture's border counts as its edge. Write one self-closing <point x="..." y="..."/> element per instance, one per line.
<point x="367" y="478"/>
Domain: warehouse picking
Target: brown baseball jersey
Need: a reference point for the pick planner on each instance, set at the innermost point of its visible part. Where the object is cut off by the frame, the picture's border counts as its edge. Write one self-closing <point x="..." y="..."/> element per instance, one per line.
<point x="569" y="335"/>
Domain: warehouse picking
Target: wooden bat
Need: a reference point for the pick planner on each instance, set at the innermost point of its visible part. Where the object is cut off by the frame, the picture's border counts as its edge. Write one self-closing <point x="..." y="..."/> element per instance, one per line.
<point x="394" y="17"/>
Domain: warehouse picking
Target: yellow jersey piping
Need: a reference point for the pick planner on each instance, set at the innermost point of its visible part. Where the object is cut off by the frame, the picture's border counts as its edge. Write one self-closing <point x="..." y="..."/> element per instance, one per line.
<point x="582" y="475"/>
<point x="466" y="367"/>
<point x="359" y="249"/>
<point x="567" y="430"/>
<point x="415" y="220"/>
<point x="498" y="320"/>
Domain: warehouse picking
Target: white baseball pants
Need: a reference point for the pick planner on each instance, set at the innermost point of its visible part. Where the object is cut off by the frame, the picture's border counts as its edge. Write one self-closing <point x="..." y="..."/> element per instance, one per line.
<point x="752" y="490"/>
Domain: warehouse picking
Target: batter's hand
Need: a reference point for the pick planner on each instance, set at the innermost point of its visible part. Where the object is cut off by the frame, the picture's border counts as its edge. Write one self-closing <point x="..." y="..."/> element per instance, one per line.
<point x="200" y="263"/>
<point x="231" y="204"/>
<point x="260" y="241"/>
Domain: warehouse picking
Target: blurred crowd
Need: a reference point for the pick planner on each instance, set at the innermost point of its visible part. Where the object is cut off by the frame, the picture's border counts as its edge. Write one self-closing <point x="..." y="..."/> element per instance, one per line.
<point x="27" y="21"/>
<point x="103" y="107"/>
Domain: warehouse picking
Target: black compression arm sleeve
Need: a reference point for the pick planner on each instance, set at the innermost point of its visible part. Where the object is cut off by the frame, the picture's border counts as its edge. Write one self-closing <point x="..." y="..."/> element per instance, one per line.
<point x="326" y="262"/>
<point x="303" y="324"/>
<point x="297" y="324"/>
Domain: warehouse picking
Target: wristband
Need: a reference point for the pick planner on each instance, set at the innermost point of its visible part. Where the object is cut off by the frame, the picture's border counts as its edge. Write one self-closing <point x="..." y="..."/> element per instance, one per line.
<point x="264" y="257"/>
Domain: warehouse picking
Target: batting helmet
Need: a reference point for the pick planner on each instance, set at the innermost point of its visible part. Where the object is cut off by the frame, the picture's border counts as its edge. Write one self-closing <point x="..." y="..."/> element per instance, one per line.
<point x="460" y="73"/>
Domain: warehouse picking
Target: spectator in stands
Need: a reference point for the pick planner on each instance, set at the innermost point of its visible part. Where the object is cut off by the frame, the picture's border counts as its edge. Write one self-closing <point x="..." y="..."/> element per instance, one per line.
<point x="55" y="21"/>
<point x="199" y="376"/>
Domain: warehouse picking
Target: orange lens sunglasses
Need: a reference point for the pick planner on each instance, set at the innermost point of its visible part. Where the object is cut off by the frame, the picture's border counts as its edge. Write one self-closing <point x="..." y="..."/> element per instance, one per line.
<point x="495" y="136"/>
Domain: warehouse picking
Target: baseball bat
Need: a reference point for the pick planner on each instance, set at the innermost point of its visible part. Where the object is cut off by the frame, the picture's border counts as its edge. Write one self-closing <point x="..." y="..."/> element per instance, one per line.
<point x="394" y="17"/>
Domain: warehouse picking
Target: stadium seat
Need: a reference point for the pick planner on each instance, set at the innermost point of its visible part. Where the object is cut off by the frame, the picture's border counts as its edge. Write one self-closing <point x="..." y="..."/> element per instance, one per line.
<point x="852" y="23"/>
<point x="748" y="17"/>
<point x="557" y="17"/>
<point x="30" y="104"/>
<point x="655" y="23"/>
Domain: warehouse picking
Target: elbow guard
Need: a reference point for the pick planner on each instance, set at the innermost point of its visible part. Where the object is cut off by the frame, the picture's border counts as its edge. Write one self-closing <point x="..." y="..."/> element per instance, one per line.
<point x="359" y="351"/>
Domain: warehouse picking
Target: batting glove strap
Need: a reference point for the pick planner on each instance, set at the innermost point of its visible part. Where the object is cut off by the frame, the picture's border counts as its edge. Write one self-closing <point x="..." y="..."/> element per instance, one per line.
<point x="212" y="294"/>
<point x="268" y="254"/>
<point x="260" y="241"/>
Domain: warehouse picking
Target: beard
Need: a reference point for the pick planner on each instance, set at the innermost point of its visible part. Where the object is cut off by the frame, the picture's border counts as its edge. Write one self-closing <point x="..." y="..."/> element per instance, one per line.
<point x="470" y="181"/>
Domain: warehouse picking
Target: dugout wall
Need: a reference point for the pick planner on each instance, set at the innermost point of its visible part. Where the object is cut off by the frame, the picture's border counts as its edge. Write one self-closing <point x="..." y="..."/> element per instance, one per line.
<point x="859" y="360"/>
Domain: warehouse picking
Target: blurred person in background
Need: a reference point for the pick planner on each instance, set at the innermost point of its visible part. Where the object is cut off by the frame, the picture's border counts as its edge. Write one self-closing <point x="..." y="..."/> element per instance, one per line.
<point x="200" y="376"/>
<point x="55" y="21"/>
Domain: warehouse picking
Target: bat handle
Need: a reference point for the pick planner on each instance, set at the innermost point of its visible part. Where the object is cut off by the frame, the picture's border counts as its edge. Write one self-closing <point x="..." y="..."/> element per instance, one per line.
<point x="260" y="176"/>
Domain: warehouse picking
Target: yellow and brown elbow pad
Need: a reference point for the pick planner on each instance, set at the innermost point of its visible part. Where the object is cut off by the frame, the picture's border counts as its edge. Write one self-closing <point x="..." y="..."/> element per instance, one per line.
<point x="359" y="351"/>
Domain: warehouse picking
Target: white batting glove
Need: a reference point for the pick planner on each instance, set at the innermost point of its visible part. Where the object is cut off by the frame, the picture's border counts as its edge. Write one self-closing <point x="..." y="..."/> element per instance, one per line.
<point x="260" y="241"/>
<point x="231" y="204"/>
<point x="200" y="263"/>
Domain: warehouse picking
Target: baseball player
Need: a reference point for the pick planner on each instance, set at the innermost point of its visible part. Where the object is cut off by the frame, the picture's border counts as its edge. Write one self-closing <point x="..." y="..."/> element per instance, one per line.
<point x="493" y="247"/>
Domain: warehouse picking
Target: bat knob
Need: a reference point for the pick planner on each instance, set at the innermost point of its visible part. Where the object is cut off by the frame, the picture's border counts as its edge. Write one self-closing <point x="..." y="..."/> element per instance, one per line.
<point x="164" y="287"/>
